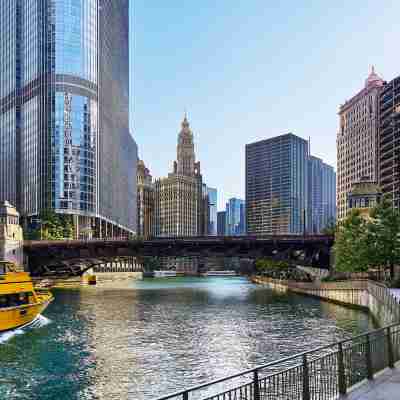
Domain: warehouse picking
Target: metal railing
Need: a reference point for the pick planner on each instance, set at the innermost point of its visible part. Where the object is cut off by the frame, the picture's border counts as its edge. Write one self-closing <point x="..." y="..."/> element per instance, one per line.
<point x="320" y="374"/>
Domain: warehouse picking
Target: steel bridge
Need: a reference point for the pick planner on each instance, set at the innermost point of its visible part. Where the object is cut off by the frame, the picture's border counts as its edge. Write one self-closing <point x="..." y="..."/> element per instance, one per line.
<point x="61" y="255"/>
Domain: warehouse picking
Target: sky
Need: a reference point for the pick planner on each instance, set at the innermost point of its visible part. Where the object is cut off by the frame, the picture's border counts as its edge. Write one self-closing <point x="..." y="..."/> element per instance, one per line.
<point x="247" y="70"/>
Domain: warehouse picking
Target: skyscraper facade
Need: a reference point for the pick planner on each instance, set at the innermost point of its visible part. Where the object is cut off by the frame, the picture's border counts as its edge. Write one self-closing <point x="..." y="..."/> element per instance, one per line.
<point x="179" y="198"/>
<point x="389" y="140"/>
<point x="357" y="140"/>
<point x="64" y="111"/>
<point x="145" y="201"/>
<point x="235" y="217"/>
<point x="276" y="185"/>
<point x="221" y="223"/>
<point x="212" y="213"/>
<point x="321" y="207"/>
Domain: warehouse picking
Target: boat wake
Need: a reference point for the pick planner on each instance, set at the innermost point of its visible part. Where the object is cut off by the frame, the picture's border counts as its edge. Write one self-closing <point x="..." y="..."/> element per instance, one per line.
<point x="38" y="322"/>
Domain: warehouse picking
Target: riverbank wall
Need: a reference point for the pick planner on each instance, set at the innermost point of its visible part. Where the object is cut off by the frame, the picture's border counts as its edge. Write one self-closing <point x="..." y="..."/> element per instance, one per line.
<point x="368" y="295"/>
<point x="102" y="279"/>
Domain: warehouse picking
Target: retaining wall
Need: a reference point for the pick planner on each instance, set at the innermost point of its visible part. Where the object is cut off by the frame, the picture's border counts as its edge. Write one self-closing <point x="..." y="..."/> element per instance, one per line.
<point x="369" y="295"/>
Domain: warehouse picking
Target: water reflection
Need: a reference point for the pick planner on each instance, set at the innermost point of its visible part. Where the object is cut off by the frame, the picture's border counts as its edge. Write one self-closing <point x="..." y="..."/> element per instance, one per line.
<point x="163" y="335"/>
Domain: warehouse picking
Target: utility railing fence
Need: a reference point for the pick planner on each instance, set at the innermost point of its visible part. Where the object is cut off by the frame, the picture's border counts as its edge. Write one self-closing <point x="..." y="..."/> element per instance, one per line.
<point x="320" y="374"/>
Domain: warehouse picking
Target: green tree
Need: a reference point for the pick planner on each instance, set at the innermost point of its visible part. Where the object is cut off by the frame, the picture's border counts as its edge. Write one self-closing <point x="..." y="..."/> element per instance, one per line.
<point x="266" y="264"/>
<point x="384" y="230"/>
<point x="68" y="226"/>
<point x="351" y="247"/>
<point x="51" y="226"/>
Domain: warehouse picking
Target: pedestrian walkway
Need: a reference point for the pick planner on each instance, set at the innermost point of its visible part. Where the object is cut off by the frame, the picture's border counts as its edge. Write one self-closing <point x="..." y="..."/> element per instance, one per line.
<point x="386" y="386"/>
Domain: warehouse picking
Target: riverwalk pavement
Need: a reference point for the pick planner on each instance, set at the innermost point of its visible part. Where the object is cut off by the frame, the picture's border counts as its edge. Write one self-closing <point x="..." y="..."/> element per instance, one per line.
<point x="385" y="386"/>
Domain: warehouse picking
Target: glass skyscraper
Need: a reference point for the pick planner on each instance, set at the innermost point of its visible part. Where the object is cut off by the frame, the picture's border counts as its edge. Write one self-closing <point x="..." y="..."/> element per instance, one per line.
<point x="221" y="223"/>
<point x="235" y="217"/>
<point x="321" y="195"/>
<point x="64" y="111"/>
<point x="212" y="210"/>
<point x="276" y="185"/>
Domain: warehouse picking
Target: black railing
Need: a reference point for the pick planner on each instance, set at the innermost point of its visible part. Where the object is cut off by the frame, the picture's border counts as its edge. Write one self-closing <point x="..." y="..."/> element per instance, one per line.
<point x="320" y="374"/>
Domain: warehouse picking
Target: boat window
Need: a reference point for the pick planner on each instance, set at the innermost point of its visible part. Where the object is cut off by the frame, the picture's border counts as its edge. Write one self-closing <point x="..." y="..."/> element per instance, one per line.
<point x="14" y="300"/>
<point x="3" y="301"/>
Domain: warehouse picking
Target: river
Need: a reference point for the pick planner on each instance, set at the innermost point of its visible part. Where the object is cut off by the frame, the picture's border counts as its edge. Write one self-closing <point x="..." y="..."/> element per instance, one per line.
<point x="161" y="335"/>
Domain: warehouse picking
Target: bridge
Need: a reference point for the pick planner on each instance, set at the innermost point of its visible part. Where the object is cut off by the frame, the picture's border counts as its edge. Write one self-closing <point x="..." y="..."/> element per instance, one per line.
<point x="44" y="256"/>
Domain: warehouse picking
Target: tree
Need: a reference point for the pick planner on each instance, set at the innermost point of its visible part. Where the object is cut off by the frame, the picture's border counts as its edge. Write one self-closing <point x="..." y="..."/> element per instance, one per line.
<point x="266" y="264"/>
<point x="351" y="248"/>
<point x="51" y="226"/>
<point x="384" y="230"/>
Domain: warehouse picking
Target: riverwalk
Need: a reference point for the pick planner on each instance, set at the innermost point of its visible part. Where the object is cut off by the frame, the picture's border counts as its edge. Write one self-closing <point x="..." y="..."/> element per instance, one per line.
<point x="385" y="386"/>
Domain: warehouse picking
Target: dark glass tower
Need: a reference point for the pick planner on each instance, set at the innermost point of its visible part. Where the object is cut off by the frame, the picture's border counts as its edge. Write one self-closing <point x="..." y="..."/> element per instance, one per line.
<point x="64" y="111"/>
<point x="276" y="186"/>
<point x="389" y="141"/>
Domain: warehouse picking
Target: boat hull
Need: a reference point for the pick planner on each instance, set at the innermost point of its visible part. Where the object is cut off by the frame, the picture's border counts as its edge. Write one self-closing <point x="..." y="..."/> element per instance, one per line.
<point x="16" y="317"/>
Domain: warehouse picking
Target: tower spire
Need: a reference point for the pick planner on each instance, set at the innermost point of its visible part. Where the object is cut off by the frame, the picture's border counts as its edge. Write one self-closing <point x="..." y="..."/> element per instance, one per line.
<point x="185" y="150"/>
<point x="373" y="78"/>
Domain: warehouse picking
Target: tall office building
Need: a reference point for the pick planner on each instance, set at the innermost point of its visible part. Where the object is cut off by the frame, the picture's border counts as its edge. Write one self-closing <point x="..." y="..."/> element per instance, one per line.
<point x="321" y="207"/>
<point x="221" y="223"/>
<point x="145" y="201"/>
<point x="276" y="185"/>
<point x="179" y="198"/>
<point x="212" y="213"/>
<point x="64" y="111"/>
<point x="389" y="140"/>
<point x="235" y="217"/>
<point x="357" y="140"/>
<point x="205" y="203"/>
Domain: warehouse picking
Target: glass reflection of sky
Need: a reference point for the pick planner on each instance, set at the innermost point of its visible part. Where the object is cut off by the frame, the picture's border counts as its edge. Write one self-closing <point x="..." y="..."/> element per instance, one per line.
<point x="76" y="38"/>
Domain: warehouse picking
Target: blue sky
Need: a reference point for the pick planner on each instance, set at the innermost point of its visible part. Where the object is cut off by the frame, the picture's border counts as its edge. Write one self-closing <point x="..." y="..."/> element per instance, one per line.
<point x="250" y="69"/>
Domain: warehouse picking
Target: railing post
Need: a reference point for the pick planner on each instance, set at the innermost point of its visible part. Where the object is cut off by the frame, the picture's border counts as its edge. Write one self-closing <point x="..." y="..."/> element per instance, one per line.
<point x="368" y="358"/>
<point x="390" y="348"/>
<point x="186" y="396"/>
<point x="306" y="379"/>
<point x="341" y="371"/>
<point x="256" y="386"/>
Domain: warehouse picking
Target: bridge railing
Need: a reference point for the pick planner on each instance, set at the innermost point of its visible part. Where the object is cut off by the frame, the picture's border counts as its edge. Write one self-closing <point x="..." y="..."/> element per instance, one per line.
<point x="320" y="374"/>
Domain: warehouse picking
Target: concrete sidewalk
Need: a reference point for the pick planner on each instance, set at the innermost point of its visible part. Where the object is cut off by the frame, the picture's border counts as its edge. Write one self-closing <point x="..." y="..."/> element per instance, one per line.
<point x="386" y="386"/>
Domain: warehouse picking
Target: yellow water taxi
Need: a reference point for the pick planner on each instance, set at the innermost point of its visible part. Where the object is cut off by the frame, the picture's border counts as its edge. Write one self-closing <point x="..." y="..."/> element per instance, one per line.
<point x="20" y="302"/>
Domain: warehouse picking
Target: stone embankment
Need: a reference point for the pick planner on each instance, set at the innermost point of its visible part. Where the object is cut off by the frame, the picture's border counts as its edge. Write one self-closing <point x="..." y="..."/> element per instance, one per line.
<point x="368" y="295"/>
